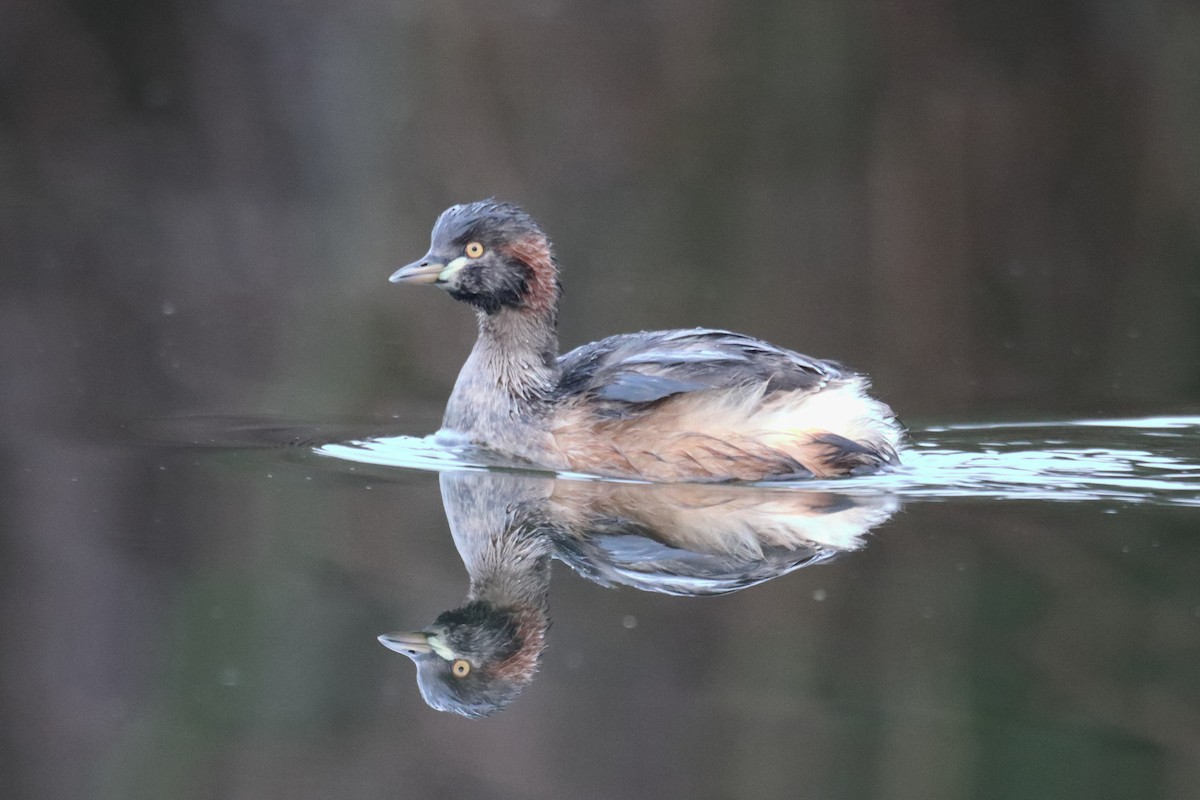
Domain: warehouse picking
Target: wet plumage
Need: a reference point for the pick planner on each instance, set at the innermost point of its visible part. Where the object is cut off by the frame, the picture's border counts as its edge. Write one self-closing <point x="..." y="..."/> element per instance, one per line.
<point x="681" y="405"/>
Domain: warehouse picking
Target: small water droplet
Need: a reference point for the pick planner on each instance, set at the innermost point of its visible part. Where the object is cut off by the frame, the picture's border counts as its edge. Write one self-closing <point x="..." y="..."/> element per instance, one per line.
<point x="629" y="622"/>
<point x="819" y="595"/>
<point x="168" y="308"/>
<point x="926" y="613"/>
<point x="1126" y="549"/>
<point x="230" y="676"/>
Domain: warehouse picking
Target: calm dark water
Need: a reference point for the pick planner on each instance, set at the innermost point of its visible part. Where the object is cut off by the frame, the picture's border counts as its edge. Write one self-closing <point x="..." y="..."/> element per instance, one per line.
<point x="215" y="491"/>
<point x="1014" y="614"/>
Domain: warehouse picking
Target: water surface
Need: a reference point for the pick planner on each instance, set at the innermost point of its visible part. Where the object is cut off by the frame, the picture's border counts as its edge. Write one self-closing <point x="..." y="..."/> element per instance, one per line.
<point x="1126" y="461"/>
<point x="1020" y="618"/>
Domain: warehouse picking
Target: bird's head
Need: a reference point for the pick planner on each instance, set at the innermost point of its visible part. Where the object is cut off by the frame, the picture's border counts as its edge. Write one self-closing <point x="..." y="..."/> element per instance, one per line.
<point x="476" y="659"/>
<point x="491" y="255"/>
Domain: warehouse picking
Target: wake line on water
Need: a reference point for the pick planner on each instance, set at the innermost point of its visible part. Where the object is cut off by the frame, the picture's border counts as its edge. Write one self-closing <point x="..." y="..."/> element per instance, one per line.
<point x="1149" y="460"/>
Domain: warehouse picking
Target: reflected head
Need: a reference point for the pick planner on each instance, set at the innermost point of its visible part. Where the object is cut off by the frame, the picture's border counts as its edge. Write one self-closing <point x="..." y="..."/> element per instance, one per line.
<point x="476" y="659"/>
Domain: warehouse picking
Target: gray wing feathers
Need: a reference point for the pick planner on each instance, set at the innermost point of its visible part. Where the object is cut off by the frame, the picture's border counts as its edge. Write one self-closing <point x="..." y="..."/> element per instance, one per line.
<point x="632" y="387"/>
<point x="641" y="368"/>
<point x="637" y="560"/>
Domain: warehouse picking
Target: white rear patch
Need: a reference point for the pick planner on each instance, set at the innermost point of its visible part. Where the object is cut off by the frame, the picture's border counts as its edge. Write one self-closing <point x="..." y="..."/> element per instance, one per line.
<point x="841" y="407"/>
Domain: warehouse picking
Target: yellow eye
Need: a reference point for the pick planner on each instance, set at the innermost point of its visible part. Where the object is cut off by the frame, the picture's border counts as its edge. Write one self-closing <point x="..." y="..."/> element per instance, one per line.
<point x="474" y="250"/>
<point x="461" y="668"/>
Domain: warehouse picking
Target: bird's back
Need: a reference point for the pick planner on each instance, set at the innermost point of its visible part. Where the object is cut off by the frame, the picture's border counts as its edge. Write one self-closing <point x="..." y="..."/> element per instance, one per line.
<point x="705" y="404"/>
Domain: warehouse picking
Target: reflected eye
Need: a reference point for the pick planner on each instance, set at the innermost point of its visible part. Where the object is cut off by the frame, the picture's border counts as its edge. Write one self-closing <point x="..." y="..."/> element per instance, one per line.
<point x="461" y="668"/>
<point x="474" y="250"/>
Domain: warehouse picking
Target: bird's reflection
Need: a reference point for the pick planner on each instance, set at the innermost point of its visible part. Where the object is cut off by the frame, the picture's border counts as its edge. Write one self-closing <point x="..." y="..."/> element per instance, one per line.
<point x="684" y="540"/>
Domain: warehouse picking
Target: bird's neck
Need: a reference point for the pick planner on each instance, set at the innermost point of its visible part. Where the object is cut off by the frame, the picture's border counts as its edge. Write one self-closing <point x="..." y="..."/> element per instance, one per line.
<point x="512" y="571"/>
<point x="518" y="349"/>
<point x="507" y="383"/>
<point x="500" y="534"/>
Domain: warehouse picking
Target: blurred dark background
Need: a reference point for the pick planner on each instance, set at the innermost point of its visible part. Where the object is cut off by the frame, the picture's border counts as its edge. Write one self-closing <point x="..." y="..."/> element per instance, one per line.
<point x="986" y="206"/>
<point x="992" y="208"/>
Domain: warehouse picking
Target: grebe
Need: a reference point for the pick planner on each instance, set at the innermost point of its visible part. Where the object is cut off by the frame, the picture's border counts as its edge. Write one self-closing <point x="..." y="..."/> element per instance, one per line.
<point x="668" y="406"/>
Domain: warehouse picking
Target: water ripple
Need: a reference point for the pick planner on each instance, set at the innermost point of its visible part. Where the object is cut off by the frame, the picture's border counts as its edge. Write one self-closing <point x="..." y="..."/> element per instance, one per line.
<point x="1123" y="461"/>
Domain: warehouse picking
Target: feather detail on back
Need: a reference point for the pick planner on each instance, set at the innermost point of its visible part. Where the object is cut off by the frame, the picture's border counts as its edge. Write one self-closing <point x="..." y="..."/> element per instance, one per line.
<point x="642" y="367"/>
<point x="713" y="405"/>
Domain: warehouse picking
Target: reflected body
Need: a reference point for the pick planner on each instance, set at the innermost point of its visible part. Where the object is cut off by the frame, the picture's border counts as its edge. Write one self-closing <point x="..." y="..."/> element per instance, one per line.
<point x="683" y="540"/>
<point x="695" y="404"/>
